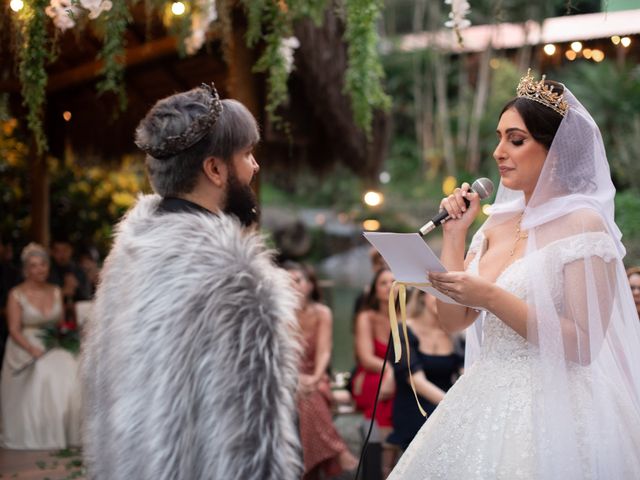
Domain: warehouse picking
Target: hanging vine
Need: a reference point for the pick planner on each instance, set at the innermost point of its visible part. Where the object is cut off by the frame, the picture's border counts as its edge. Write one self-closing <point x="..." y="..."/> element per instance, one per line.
<point x="270" y="23"/>
<point x="32" y="29"/>
<point x="113" y="51"/>
<point x="363" y="79"/>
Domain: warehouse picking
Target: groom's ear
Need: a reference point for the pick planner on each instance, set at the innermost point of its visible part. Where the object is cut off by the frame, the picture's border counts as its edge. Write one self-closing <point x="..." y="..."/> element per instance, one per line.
<point x="216" y="170"/>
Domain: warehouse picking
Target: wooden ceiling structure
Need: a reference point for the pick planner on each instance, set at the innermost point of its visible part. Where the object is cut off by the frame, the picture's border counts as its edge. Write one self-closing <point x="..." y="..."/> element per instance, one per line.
<point x="323" y="132"/>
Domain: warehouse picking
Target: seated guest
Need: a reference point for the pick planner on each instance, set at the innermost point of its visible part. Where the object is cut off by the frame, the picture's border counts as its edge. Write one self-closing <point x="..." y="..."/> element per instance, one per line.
<point x="633" y="274"/>
<point x="435" y="364"/>
<point x="65" y="273"/>
<point x="322" y="447"/>
<point x="371" y="338"/>
<point x="40" y="392"/>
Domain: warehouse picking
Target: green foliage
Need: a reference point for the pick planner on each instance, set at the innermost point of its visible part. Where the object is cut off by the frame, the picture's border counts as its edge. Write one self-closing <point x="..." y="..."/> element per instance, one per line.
<point x="268" y="20"/>
<point x="340" y="190"/>
<point x="275" y="24"/>
<point x="32" y="27"/>
<point x="66" y="337"/>
<point x="86" y="201"/>
<point x="627" y="218"/>
<point x="363" y="79"/>
<point x="114" y="23"/>
<point x="272" y="21"/>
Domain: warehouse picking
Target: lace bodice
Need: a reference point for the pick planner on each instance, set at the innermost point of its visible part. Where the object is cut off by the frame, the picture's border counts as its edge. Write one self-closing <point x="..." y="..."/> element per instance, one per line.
<point x="499" y="340"/>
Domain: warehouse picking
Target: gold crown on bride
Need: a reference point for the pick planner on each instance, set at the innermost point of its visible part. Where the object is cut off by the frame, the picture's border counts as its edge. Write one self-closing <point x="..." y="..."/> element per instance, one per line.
<point x="541" y="93"/>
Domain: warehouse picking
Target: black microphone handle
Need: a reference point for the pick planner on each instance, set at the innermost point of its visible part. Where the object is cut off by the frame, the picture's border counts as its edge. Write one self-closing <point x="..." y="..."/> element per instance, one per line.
<point x="436" y="221"/>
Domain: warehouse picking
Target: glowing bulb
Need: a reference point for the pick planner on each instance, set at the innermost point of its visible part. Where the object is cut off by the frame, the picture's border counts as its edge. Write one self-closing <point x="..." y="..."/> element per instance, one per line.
<point x="570" y="54"/>
<point x="373" y="199"/>
<point x="66" y="115"/>
<point x="576" y="46"/>
<point x="549" y="49"/>
<point x="178" y="8"/>
<point x="16" y="5"/>
<point x="597" y="55"/>
<point x="384" y="177"/>
<point x="586" y="53"/>
<point x="625" y="41"/>
<point x="615" y="39"/>
<point x="371" y="225"/>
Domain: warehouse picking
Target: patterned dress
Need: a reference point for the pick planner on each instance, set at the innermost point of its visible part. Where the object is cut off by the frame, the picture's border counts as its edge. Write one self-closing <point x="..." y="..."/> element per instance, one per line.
<point x="321" y="443"/>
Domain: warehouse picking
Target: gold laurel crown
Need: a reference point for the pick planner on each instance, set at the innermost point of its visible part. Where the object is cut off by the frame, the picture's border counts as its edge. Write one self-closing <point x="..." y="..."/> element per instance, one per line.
<point x="541" y="93"/>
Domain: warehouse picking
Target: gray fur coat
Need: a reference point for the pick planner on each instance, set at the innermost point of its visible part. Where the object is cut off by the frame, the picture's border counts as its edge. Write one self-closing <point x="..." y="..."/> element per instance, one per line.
<point x="190" y="363"/>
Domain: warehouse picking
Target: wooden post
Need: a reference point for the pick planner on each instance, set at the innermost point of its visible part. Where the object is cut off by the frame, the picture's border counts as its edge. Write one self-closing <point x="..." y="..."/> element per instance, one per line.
<point x="39" y="189"/>
<point x="242" y="83"/>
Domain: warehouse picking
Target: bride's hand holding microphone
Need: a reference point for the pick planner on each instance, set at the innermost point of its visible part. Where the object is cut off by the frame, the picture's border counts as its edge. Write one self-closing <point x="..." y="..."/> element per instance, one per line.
<point x="463" y="206"/>
<point x="464" y="288"/>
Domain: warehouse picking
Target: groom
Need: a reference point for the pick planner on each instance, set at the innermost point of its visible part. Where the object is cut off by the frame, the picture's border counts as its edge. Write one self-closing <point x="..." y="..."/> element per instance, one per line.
<point x="189" y="365"/>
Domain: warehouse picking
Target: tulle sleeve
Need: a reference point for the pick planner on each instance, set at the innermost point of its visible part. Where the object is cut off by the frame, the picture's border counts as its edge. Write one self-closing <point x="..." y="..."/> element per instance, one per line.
<point x="584" y="338"/>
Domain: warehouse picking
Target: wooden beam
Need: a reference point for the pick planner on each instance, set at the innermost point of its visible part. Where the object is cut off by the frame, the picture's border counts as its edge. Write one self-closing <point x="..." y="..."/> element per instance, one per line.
<point x="90" y="71"/>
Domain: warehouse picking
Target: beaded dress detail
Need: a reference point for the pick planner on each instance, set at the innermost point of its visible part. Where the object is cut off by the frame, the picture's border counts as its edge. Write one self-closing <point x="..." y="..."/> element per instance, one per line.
<point x="483" y="429"/>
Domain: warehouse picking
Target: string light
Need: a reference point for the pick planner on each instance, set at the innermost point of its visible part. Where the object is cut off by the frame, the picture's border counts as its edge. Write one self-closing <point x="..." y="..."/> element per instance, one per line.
<point x="576" y="46"/>
<point x="16" y="5"/>
<point x="549" y="49"/>
<point x="371" y="225"/>
<point x="66" y="115"/>
<point x="586" y="53"/>
<point x="571" y="55"/>
<point x="625" y="41"/>
<point x="373" y="199"/>
<point x="178" y="8"/>
<point x="597" y="55"/>
<point x="615" y="39"/>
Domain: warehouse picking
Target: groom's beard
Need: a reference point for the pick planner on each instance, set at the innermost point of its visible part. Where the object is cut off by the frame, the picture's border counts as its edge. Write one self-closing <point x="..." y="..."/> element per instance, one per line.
<point x="241" y="201"/>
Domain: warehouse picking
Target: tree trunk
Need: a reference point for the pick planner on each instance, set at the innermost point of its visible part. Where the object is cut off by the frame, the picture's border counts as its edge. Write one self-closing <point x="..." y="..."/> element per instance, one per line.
<point x="479" y="103"/>
<point x="39" y="189"/>
<point x="242" y="82"/>
<point x="463" y="104"/>
<point x="442" y="104"/>
<point x="419" y="90"/>
<point x="440" y="65"/>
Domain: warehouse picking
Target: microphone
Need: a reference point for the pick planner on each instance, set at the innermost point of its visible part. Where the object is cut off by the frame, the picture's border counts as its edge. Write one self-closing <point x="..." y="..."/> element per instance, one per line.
<point x="482" y="186"/>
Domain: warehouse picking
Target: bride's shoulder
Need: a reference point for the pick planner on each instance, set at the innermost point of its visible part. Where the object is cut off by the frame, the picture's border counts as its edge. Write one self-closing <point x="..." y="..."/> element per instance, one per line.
<point x="584" y="220"/>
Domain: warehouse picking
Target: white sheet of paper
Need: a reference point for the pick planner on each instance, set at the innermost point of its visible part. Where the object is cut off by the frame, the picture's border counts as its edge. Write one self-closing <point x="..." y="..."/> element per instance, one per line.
<point x="409" y="258"/>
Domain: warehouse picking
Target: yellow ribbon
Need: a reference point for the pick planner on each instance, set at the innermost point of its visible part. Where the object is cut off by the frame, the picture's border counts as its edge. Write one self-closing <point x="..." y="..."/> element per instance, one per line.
<point x="395" y="333"/>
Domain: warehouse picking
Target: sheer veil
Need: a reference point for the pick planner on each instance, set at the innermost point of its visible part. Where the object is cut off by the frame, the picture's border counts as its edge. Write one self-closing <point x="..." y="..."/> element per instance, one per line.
<point x="583" y="332"/>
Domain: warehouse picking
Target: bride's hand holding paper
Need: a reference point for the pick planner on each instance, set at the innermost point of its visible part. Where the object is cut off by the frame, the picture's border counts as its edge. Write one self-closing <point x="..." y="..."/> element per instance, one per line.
<point x="464" y="288"/>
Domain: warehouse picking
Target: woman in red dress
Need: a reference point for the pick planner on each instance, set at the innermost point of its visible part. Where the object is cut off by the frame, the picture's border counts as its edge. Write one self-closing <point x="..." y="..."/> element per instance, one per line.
<point x="371" y="337"/>
<point x="322" y="447"/>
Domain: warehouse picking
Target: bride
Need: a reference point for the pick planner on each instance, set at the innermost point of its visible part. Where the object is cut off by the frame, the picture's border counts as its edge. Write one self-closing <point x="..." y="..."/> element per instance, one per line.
<point x="551" y="388"/>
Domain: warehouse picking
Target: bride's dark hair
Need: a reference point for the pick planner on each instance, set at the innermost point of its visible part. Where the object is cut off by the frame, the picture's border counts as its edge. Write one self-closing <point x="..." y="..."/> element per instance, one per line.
<point x="541" y="121"/>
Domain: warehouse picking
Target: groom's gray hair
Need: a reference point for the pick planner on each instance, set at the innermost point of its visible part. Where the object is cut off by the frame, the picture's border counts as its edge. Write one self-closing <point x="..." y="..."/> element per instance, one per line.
<point x="174" y="116"/>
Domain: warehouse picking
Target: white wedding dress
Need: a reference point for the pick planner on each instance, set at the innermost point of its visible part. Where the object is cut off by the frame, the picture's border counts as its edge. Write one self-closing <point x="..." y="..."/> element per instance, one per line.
<point x="41" y="404"/>
<point x="484" y="427"/>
